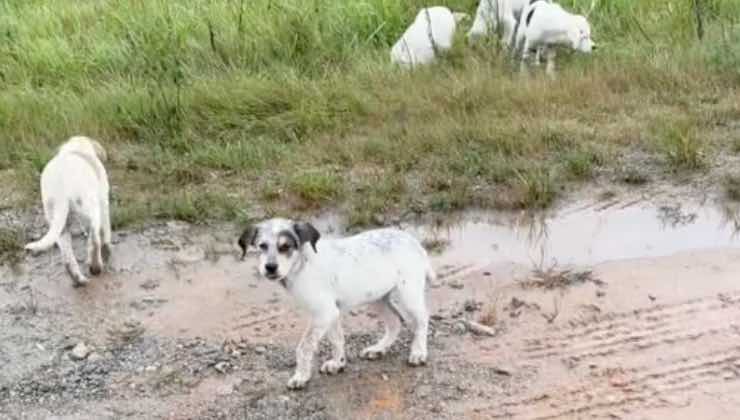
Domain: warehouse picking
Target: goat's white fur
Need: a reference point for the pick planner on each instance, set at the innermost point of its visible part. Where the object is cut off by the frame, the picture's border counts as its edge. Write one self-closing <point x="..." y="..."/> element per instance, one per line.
<point x="431" y="33"/>
<point x="75" y="181"/>
<point x="369" y="268"/>
<point x="491" y="14"/>
<point x="551" y="25"/>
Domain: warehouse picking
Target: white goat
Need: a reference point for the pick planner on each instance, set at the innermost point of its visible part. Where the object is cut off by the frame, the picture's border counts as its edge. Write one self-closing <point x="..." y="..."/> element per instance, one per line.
<point x="546" y="25"/>
<point x="492" y="13"/>
<point x="430" y="34"/>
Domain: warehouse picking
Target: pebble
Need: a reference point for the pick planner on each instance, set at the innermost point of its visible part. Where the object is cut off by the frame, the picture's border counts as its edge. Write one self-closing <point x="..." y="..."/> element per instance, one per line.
<point x="221" y="367"/>
<point x="260" y="349"/>
<point x="455" y="285"/>
<point x="79" y="352"/>
<point x="459" y="328"/>
<point x="94" y="357"/>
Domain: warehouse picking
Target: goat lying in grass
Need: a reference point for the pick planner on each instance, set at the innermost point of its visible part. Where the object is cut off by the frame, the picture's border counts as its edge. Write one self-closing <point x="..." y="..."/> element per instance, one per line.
<point x="430" y="34"/>
<point x="494" y="13"/>
<point x="547" y="25"/>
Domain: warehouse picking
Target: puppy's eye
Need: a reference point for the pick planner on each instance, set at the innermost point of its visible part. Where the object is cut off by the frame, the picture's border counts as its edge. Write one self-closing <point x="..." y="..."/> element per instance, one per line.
<point x="263" y="246"/>
<point x="284" y="248"/>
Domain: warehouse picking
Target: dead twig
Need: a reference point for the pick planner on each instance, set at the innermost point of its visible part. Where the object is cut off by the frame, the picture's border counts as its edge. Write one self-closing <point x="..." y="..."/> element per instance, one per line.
<point x="479" y="329"/>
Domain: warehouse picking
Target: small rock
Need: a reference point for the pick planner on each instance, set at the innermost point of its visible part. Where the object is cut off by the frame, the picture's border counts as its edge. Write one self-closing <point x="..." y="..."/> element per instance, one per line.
<point x="94" y="357"/>
<point x="673" y="400"/>
<point x="284" y="399"/>
<point x="221" y="367"/>
<point x="439" y="408"/>
<point x="150" y="368"/>
<point x="486" y="273"/>
<point x="455" y="285"/>
<point x="471" y="305"/>
<point x="502" y="371"/>
<point x="619" y="381"/>
<point x="225" y="390"/>
<point x="79" y="352"/>
<point x="600" y="293"/>
<point x="652" y="298"/>
<point x="260" y="349"/>
<point x="384" y="377"/>
<point x="150" y="284"/>
<point x="459" y="328"/>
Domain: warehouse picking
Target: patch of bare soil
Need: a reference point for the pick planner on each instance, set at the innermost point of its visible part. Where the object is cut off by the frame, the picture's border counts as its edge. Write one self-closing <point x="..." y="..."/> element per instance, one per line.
<point x="634" y="317"/>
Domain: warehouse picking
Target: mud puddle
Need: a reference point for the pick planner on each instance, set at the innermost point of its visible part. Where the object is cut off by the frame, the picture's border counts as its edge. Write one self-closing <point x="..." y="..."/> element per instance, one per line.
<point x="601" y="310"/>
<point x="582" y="235"/>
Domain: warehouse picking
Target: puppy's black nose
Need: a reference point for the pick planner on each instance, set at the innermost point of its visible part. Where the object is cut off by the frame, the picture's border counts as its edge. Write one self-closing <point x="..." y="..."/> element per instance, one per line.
<point x="271" y="268"/>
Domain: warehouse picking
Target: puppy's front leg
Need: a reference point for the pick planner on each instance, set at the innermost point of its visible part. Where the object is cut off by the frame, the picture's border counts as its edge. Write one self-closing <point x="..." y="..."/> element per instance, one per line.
<point x="337" y="362"/>
<point x="307" y="347"/>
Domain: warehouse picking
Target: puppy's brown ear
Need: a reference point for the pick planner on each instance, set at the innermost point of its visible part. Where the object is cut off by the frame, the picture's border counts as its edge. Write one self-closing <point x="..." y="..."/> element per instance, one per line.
<point x="248" y="237"/>
<point x="307" y="233"/>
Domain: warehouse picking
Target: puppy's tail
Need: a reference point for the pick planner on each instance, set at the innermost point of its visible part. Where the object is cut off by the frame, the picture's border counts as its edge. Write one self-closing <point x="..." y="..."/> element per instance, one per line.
<point x="56" y="227"/>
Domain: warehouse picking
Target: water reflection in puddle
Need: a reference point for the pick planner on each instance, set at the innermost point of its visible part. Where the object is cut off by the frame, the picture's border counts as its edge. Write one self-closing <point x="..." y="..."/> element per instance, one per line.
<point x="582" y="236"/>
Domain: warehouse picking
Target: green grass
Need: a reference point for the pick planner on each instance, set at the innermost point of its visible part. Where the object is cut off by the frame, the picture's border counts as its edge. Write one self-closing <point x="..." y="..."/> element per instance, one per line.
<point x="208" y="108"/>
<point x="681" y="144"/>
<point x="11" y="246"/>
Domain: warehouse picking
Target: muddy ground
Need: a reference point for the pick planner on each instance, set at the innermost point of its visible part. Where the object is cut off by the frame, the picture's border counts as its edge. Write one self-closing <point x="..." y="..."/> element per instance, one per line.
<point x="611" y="308"/>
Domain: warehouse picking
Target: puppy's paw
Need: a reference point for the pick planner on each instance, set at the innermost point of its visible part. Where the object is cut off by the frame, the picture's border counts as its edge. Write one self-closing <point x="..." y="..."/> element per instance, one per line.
<point x="332" y="367"/>
<point x="80" y="281"/>
<point x="418" y="359"/>
<point x="372" y="353"/>
<point x="95" y="270"/>
<point x="297" y="382"/>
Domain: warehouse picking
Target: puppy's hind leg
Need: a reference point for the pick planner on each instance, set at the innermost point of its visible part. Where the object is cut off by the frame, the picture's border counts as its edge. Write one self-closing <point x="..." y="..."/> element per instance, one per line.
<point x="392" y="323"/>
<point x="70" y="262"/>
<point x="338" y="360"/>
<point x="94" y="245"/>
<point x="106" y="231"/>
<point x="414" y="302"/>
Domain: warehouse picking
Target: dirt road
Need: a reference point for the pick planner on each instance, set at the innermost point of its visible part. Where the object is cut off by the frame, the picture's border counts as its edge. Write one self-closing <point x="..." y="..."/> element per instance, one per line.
<point x="621" y="310"/>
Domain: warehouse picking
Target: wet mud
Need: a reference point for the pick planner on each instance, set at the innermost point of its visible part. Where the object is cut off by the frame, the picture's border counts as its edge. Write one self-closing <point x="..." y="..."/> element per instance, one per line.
<point x="598" y="310"/>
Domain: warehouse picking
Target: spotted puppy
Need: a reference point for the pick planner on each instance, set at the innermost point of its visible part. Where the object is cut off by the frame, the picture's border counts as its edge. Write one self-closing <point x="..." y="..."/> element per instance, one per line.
<point x="335" y="275"/>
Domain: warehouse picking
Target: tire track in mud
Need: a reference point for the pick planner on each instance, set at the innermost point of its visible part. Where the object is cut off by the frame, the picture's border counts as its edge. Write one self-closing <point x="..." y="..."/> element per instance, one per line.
<point x="704" y="357"/>
<point x="624" y="391"/>
<point x="639" y="330"/>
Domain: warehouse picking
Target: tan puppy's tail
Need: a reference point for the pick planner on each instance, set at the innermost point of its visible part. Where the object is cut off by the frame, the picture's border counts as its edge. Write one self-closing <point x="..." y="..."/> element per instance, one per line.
<point x="56" y="227"/>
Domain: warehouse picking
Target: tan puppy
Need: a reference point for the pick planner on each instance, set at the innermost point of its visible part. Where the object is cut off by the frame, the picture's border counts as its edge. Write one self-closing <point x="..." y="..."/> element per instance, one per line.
<point x="75" y="181"/>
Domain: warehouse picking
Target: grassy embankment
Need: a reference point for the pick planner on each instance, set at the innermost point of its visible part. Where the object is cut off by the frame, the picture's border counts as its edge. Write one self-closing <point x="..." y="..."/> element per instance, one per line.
<point x="210" y="108"/>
